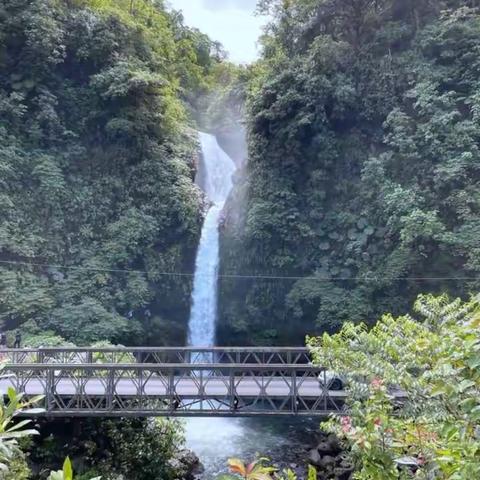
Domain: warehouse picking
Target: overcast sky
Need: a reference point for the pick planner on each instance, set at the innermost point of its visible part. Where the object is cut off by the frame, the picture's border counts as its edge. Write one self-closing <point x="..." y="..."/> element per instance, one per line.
<point x="232" y="22"/>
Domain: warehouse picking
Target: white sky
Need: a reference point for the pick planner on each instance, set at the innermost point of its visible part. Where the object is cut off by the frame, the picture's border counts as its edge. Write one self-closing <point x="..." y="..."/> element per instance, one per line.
<point x="231" y="22"/>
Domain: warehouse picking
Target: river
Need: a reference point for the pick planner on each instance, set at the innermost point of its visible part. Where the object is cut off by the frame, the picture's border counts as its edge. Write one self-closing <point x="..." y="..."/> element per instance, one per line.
<point x="215" y="440"/>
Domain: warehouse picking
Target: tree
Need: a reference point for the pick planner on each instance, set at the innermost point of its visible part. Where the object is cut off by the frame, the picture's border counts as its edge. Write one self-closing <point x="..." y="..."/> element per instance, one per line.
<point x="363" y="168"/>
<point x="434" y="362"/>
<point x="94" y="96"/>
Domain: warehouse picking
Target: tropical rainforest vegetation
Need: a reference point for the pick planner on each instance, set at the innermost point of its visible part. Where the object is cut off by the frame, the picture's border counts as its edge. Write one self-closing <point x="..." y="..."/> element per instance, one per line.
<point x="361" y="191"/>
<point x="434" y="358"/>
<point x="363" y="167"/>
<point x="98" y="153"/>
<point x="97" y="166"/>
<point x="413" y="404"/>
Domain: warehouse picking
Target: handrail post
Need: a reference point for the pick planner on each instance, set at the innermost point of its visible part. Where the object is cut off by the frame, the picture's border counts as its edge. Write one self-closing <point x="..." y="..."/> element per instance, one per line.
<point x="110" y="388"/>
<point x="231" y="387"/>
<point x="141" y="386"/>
<point x="50" y="389"/>
<point x="171" y="390"/>
<point x="326" y="391"/>
<point x="201" y="390"/>
<point x="294" y="390"/>
<point x="171" y="386"/>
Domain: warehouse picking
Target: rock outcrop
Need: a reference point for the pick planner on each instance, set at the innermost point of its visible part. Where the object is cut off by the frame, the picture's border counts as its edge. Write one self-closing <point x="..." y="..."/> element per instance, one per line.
<point x="186" y="465"/>
<point x="330" y="459"/>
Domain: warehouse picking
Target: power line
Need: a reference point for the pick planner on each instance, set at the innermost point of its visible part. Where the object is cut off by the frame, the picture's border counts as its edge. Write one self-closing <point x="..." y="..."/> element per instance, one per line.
<point x="238" y="276"/>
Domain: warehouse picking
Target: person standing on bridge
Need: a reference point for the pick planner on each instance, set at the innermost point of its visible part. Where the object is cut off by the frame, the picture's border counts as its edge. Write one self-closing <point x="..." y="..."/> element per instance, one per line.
<point x="18" y="340"/>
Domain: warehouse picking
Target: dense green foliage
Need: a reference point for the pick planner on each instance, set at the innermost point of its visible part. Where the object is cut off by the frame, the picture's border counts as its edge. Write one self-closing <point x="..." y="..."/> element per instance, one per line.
<point x="435" y="362"/>
<point x="12" y="460"/>
<point x="97" y="167"/>
<point x="364" y="127"/>
<point x="139" y="449"/>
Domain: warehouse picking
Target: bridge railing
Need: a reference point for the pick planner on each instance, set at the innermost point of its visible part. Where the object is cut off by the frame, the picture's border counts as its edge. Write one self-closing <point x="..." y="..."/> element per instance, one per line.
<point x="174" y="389"/>
<point x="161" y="355"/>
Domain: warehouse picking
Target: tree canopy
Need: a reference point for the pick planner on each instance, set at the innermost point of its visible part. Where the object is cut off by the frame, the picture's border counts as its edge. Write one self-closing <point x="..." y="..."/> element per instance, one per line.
<point x="364" y="166"/>
<point x="433" y="359"/>
<point x="97" y="164"/>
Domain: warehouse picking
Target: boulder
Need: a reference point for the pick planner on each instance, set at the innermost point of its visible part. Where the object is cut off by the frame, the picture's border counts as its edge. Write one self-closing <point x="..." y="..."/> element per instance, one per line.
<point x="334" y="444"/>
<point x="186" y="465"/>
<point x="345" y="463"/>
<point x="343" y="473"/>
<point x="327" y="462"/>
<point x="330" y="446"/>
<point x="324" y="448"/>
<point x="314" y="457"/>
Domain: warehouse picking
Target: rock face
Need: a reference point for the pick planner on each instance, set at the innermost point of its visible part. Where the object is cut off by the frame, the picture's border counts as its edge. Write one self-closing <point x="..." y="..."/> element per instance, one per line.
<point x="329" y="459"/>
<point x="186" y="465"/>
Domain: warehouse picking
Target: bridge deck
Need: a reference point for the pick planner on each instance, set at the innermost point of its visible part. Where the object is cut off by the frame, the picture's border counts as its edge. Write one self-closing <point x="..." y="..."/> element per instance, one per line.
<point x="174" y="389"/>
<point x="217" y="387"/>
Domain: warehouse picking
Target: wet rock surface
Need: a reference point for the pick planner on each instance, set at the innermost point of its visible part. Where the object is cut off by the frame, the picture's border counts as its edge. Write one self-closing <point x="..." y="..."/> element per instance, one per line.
<point x="327" y="456"/>
<point x="186" y="465"/>
<point x="330" y="460"/>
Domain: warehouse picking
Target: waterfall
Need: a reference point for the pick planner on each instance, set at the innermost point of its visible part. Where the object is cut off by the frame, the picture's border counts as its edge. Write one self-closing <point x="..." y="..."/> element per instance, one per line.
<point x="218" y="170"/>
<point x="217" y="439"/>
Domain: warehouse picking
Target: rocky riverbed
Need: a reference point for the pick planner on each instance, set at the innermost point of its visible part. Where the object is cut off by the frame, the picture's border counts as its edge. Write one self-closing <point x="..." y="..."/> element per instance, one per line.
<point x="326" y="454"/>
<point x="330" y="459"/>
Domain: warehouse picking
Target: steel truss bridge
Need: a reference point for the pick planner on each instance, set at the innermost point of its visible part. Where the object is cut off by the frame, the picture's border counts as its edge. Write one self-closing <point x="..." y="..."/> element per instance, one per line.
<point x="141" y="382"/>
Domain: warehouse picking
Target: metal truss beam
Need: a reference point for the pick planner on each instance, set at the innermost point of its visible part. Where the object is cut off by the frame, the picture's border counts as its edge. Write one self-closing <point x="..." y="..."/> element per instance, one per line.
<point x="174" y="389"/>
<point x="164" y="355"/>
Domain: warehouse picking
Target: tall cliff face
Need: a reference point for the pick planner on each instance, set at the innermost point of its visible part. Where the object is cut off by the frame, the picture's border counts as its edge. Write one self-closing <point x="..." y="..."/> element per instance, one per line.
<point x="363" y="167"/>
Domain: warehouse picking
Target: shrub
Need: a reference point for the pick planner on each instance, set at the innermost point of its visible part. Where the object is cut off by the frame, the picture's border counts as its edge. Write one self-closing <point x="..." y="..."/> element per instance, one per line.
<point x="434" y="362"/>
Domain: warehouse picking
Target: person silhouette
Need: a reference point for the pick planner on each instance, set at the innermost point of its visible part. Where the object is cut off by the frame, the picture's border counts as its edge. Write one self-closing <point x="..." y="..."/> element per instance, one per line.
<point x="18" y="340"/>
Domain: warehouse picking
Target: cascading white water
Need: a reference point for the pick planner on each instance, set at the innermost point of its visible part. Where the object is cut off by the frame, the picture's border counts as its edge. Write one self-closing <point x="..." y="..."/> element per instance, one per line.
<point x="218" y="171"/>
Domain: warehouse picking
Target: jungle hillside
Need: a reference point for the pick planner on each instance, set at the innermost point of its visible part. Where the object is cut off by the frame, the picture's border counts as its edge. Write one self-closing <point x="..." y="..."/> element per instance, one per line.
<point x="363" y="175"/>
<point x="98" y="155"/>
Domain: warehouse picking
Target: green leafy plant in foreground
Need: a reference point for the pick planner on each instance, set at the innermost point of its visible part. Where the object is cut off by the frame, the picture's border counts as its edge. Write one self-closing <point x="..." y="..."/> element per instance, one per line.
<point x="9" y="448"/>
<point x="66" y="473"/>
<point x="434" y="432"/>
<point x="256" y="470"/>
<point x="11" y="432"/>
<point x="259" y="471"/>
